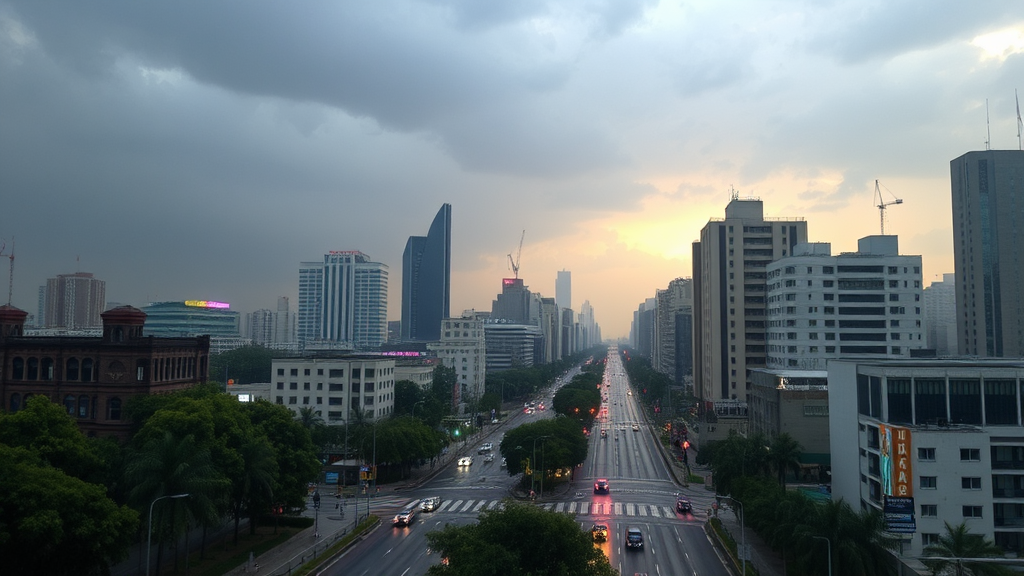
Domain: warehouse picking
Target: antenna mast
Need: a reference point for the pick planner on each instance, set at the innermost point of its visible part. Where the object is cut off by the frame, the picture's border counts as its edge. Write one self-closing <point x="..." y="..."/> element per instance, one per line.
<point x="10" y="279"/>
<point x="988" y="128"/>
<point x="882" y="204"/>
<point x="1020" y="124"/>
<point x="514" y="264"/>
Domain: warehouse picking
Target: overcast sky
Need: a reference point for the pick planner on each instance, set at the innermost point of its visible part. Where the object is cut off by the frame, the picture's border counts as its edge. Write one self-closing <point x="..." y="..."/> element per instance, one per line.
<point x="202" y="149"/>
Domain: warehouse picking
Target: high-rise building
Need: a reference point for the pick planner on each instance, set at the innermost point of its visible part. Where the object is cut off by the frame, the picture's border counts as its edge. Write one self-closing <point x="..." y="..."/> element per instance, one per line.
<point x="729" y="283"/>
<point x="563" y="289"/>
<point x="463" y="348"/>
<point x="74" y="301"/>
<point x="284" y="322"/>
<point x="673" y="348"/>
<point x="335" y="387"/>
<point x="426" y="279"/>
<point x="940" y="316"/>
<point x="259" y="327"/>
<point x="988" y="252"/>
<point x="343" y="300"/>
<point x="863" y="304"/>
<point x="513" y="304"/>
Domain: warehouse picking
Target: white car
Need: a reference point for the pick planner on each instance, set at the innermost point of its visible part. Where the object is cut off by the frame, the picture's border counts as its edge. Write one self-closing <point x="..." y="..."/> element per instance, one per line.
<point x="466" y="461"/>
<point x="503" y="463"/>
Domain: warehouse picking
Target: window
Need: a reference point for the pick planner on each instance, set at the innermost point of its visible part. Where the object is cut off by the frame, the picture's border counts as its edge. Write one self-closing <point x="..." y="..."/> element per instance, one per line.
<point x="830" y="335"/>
<point x="894" y="336"/>
<point x="830" y="296"/>
<point x="280" y="399"/>
<point x="114" y="409"/>
<point x="928" y="483"/>
<point x="18" y="369"/>
<point x="293" y="399"/>
<point x="970" y="455"/>
<point x="929" y="510"/>
<point x="894" y="323"/>
<point x="926" y="454"/>
<point x="830" y="310"/>
<point x="830" y="349"/>
<point x="293" y="385"/>
<point x="927" y="539"/>
<point x="280" y="385"/>
<point x="827" y="270"/>
<point x="894" y="297"/>
<point x="294" y="372"/>
<point x="280" y="371"/>
<point x="970" y="483"/>
<point x="305" y="372"/>
<point x="71" y="371"/>
<point x="972" y="511"/>
<point x="830" y="323"/>
<point x="319" y="371"/>
<point x="336" y="373"/>
<point x="828" y="283"/>
<point x="893" y="270"/>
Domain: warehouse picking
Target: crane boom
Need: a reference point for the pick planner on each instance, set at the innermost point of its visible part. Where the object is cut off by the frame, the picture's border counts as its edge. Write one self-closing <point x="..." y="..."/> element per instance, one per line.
<point x="882" y="204"/>
<point x="514" y="264"/>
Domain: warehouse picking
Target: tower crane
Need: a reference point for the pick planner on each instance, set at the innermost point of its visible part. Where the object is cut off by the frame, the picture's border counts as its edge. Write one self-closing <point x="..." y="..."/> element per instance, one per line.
<point x="514" y="264"/>
<point x="882" y="204"/>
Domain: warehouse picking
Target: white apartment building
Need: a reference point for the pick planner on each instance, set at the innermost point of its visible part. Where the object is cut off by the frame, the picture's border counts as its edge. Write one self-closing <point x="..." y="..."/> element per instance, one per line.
<point x="463" y="347"/>
<point x="858" y="304"/>
<point x="945" y="436"/>
<point x="343" y="299"/>
<point x="335" y="386"/>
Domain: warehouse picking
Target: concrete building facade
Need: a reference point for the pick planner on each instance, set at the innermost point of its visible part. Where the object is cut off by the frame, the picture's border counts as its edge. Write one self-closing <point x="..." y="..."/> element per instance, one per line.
<point x="463" y="347"/>
<point x="729" y="285"/>
<point x="335" y="386"/>
<point x="857" y="304"/>
<point x="940" y="316"/>
<point x="563" y="289"/>
<point x="74" y="301"/>
<point x="943" y="437"/>
<point x="343" y="300"/>
<point x="988" y="252"/>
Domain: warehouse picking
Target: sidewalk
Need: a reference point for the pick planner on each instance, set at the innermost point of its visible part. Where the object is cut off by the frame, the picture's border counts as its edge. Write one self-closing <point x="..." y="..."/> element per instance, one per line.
<point x="762" y="557"/>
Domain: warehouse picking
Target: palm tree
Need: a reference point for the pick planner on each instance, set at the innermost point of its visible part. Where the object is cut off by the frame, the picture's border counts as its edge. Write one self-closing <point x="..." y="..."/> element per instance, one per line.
<point x="784" y="454"/>
<point x="168" y="465"/>
<point x="253" y="489"/>
<point x="958" y="548"/>
<point x="856" y="540"/>
<point x="310" y="418"/>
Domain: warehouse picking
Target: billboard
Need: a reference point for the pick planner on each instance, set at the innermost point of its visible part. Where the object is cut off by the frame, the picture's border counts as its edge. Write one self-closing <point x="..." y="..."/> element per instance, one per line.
<point x="897" y="475"/>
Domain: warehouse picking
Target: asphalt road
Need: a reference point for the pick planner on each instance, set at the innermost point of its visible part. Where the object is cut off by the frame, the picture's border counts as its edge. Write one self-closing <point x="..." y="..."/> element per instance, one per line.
<point x="642" y="495"/>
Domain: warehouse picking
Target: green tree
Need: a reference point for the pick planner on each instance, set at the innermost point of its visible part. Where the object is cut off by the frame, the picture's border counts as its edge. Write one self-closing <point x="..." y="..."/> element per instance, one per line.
<point x="958" y="547"/>
<point x="253" y="490"/>
<point x="167" y="465"/>
<point x="858" y="544"/>
<point x="407" y="394"/>
<point x="296" y="462"/>
<point x="45" y="429"/>
<point x="244" y="365"/>
<point x="518" y="540"/>
<point x="784" y="454"/>
<point x="559" y="443"/>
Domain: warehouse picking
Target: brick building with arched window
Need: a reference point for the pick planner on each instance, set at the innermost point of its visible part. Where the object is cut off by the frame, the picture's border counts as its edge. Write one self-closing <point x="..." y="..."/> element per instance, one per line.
<point x="94" y="377"/>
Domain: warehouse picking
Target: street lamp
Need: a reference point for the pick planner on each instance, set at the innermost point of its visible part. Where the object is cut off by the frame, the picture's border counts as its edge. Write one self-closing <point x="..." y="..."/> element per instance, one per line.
<point x="743" y="534"/>
<point x="149" y="537"/>
<point x="829" y="543"/>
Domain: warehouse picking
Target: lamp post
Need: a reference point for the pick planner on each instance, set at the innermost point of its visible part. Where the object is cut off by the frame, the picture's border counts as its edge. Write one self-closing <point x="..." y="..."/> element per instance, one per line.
<point x="149" y="536"/>
<point x="829" y="543"/>
<point x="743" y="535"/>
<point x="535" y="462"/>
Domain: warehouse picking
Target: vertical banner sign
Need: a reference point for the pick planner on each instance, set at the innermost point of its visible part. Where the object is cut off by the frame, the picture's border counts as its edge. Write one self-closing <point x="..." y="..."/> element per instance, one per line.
<point x="897" y="476"/>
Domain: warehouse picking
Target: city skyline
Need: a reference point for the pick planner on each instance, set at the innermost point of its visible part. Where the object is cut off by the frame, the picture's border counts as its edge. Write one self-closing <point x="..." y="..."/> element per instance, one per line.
<point x="203" y="153"/>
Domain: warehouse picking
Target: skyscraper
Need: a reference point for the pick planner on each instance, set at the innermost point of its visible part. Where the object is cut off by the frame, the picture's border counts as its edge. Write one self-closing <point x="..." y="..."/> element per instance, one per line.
<point x="988" y="252"/>
<point x="426" y="279"/>
<point x="729" y="283"/>
<point x="74" y="301"/>
<point x="940" y="315"/>
<point x="563" y="289"/>
<point x="344" y="300"/>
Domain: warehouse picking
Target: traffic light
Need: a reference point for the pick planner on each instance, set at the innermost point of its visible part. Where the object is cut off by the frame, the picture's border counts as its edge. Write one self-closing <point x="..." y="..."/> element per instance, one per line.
<point x="686" y="445"/>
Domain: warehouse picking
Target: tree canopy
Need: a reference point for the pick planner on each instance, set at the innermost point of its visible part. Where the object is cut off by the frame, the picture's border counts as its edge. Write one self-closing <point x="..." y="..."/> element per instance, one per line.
<point x="518" y="539"/>
<point x="559" y="443"/>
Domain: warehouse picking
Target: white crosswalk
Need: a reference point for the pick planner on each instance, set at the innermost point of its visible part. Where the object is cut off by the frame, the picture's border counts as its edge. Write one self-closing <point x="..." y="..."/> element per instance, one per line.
<point x="574" y="508"/>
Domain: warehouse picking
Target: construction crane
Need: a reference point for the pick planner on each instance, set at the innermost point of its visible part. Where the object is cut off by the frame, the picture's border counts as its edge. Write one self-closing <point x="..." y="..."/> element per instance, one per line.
<point x="10" y="280"/>
<point x="882" y="204"/>
<point x="514" y="264"/>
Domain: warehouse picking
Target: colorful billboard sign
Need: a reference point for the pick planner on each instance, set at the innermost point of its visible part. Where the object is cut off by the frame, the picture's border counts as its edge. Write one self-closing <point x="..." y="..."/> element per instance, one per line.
<point x="206" y="304"/>
<point x="896" y="472"/>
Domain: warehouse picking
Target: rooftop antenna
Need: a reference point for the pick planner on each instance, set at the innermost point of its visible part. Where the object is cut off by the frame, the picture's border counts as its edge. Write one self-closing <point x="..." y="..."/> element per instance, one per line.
<point x="1020" y="124"/>
<point x="10" y="280"/>
<point x="882" y="204"/>
<point x="514" y="264"/>
<point x="988" y="128"/>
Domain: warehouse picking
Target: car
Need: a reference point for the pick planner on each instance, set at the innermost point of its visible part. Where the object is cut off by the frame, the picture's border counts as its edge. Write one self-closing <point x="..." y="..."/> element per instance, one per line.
<point x="604" y="432"/>
<point x="430" y="504"/>
<point x="466" y="461"/>
<point x="636" y="427"/>
<point x="503" y="463"/>
<point x="601" y="486"/>
<point x="599" y="532"/>
<point x="634" y="538"/>
<point x="487" y="447"/>
<point x="405" y="517"/>
<point x="683" y="505"/>
<point x="489" y="457"/>
<point x="494" y="420"/>
<point x="629" y="392"/>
